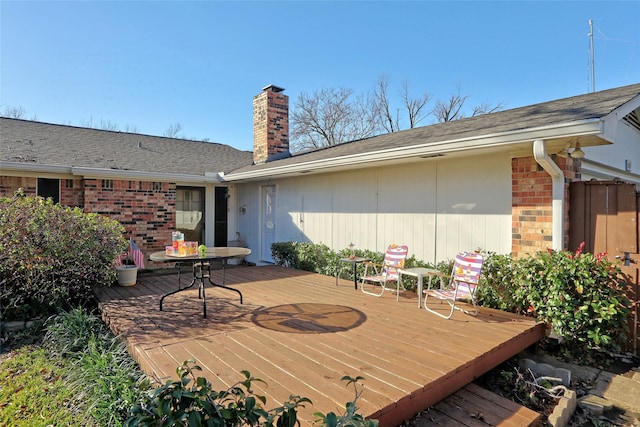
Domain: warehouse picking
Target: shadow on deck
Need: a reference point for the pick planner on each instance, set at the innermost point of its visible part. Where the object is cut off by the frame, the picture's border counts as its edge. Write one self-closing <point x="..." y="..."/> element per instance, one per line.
<point x="301" y="334"/>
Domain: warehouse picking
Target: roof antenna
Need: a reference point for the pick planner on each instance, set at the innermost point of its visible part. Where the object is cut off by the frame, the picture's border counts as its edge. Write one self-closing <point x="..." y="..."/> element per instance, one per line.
<point x="592" y="57"/>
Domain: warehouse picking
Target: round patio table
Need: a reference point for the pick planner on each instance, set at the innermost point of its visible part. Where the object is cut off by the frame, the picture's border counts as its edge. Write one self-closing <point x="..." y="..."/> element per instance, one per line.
<point x="201" y="269"/>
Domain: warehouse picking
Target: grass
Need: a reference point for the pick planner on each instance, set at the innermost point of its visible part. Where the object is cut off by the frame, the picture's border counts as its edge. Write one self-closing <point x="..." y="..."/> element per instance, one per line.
<point x="33" y="390"/>
<point x="70" y="372"/>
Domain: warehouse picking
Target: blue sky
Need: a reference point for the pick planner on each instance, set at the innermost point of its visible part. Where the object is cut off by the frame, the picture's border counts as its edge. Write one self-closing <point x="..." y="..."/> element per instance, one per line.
<point x="151" y="64"/>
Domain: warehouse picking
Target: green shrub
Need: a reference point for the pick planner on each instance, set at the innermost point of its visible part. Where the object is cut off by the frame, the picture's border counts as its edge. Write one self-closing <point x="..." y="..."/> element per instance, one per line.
<point x="50" y="256"/>
<point x="580" y="294"/>
<point x="191" y="401"/>
<point x="497" y="285"/>
<point x="318" y="258"/>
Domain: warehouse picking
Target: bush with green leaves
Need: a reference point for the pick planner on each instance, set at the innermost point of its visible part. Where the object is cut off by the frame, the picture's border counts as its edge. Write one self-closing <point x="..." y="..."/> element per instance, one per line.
<point x="582" y="295"/>
<point x="51" y="256"/>
<point x="191" y="401"/>
<point x="497" y="285"/>
<point x="319" y="258"/>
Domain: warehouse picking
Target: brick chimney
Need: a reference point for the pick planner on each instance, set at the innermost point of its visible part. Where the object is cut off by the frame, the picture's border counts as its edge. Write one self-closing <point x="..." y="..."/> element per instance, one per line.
<point x="270" y="125"/>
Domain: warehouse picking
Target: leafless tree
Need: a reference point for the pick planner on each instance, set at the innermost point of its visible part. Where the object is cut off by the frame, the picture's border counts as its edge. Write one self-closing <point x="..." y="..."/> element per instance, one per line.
<point x="108" y="125"/>
<point x="103" y="125"/>
<point x="14" y="112"/>
<point x="129" y="128"/>
<point x="331" y="116"/>
<point x="485" y="108"/>
<point x="413" y="107"/>
<point x="173" y="130"/>
<point x="452" y="108"/>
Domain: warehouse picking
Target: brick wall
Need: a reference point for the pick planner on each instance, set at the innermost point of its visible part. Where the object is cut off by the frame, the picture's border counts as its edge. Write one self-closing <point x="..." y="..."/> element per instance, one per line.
<point x="146" y="209"/>
<point x="71" y="192"/>
<point x="10" y="184"/>
<point x="270" y="125"/>
<point x="532" y="197"/>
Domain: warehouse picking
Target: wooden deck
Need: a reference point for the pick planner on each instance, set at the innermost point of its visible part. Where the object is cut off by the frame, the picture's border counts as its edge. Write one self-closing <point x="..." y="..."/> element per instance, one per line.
<point x="301" y="334"/>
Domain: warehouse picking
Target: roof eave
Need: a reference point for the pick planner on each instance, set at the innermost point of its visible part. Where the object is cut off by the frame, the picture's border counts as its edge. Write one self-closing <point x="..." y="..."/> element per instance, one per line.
<point x="431" y="149"/>
<point x="209" y="177"/>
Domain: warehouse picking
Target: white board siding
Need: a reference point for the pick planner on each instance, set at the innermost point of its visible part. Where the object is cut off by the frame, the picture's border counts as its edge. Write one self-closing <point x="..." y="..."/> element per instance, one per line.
<point x="436" y="207"/>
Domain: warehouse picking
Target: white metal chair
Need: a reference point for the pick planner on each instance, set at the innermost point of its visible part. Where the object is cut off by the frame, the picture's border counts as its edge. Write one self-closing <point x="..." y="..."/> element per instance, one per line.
<point x="381" y="274"/>
<point x="465" y="277"/>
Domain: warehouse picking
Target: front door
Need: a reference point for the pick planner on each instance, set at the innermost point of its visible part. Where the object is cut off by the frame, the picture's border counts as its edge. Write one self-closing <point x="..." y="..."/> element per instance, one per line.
<point x="268" y="221"/>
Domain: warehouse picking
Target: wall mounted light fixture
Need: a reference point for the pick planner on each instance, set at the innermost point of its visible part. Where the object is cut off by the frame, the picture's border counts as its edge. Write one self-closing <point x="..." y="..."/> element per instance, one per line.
<point x="577" y="152"/>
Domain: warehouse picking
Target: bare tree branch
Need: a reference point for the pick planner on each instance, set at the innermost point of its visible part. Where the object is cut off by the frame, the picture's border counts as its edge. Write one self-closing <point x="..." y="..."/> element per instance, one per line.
<point x="131" y="128"/>
<point x="451" y="109"/>
<point x="329" y="117"/>
<point x="387" y="121"/>
<point x="414" y="106"/>
<point x="108" y="125"/>
<point x="173" y="130"/>
<point x="14" y="112"/>
<point x="485" y="108"/>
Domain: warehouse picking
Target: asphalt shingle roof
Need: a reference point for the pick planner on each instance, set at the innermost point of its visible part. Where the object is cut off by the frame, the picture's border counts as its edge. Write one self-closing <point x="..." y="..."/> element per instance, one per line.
<point x="49" y="144"/>
<point x="590" y="106"/>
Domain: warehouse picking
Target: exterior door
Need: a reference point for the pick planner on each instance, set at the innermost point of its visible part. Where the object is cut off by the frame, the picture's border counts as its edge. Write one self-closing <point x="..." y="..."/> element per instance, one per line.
<point x="268" y="221"/>
<point x="606" y="216"/>
<point x="190" y="213"/>
<point x="220" y="217"/>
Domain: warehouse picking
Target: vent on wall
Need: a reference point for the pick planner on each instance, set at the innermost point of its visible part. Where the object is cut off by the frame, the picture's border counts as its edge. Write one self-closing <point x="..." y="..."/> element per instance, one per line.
<point x="633" y="119"/>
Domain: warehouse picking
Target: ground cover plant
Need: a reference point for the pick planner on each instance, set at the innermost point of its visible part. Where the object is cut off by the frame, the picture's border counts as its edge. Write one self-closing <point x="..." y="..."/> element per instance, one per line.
<point x="105" y="380"/>
<point x="32" y="386"/>
<point x="72" y="371"/>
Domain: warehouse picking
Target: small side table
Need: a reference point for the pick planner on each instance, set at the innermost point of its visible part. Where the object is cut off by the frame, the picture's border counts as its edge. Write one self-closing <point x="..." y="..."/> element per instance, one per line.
<point x="420" y="273"/>
<point x="353" y="261"/>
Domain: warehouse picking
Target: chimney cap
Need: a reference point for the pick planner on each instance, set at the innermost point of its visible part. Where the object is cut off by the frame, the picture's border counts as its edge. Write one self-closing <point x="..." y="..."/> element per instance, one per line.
<point x="272" y="88"/>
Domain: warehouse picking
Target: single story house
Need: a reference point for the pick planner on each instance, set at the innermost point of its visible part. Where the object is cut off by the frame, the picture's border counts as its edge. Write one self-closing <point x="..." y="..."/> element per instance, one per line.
<point x="497" y="182"/>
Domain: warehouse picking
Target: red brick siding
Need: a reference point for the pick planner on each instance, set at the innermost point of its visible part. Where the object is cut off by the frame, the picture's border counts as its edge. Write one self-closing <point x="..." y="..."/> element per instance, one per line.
<point x="10" y="184"/>
<point x="147" y="210"/>
<point x="532" y="197"/>
<point x="71" y="192"/>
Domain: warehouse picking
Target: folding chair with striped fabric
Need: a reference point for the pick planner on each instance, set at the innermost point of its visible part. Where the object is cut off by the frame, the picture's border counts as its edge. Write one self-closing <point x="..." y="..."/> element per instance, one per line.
<point x="465" y="278"/>
<point x="380" y="274"/>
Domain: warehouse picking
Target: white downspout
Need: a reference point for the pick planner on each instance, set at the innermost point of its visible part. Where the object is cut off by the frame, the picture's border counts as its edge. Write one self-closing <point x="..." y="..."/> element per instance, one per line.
<point x="557" y="177"/>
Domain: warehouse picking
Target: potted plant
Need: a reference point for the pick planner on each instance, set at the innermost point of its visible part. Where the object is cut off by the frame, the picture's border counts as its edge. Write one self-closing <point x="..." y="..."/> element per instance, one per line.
<point x="127" y="273"/>
<point x="127" y="269"/>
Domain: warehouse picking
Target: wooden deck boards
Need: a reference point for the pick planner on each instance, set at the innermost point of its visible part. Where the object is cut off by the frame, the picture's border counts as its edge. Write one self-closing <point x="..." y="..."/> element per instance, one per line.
<point x="301" y="334"/>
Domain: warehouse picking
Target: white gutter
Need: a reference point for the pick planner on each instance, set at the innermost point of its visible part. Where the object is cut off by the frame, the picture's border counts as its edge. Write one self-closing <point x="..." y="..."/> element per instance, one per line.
<point x="580" y="128"/>
<point x="557" y="177"/>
